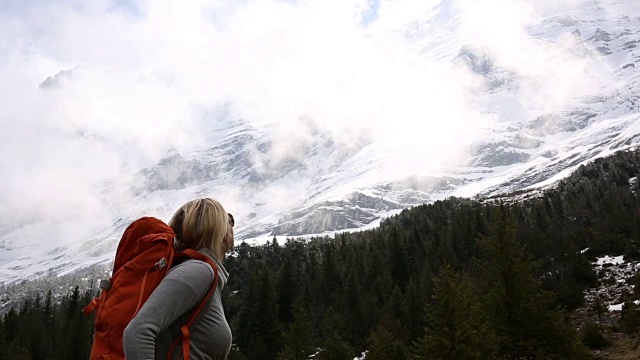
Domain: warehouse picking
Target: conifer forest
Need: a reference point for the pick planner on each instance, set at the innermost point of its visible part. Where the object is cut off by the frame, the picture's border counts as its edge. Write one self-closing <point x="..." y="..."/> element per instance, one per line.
<point x="481" y="278"/>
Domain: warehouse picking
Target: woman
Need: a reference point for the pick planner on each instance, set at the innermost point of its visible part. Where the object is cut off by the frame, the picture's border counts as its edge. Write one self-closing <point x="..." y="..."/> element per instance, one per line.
<point x="205" y="226"/>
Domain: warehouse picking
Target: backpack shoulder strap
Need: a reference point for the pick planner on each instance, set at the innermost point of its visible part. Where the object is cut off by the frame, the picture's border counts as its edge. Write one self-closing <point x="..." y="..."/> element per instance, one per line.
<point x="185" y="335"/>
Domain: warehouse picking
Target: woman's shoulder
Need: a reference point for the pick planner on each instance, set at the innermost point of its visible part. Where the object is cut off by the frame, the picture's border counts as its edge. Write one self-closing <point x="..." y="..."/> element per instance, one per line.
<point x="192" y="269"/>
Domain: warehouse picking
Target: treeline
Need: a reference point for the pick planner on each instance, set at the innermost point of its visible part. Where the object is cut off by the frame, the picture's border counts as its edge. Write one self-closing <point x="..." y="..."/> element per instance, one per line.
<point x="45" y="329"/>
<point x="381" y="294"/>
<point x="456" y="279"/>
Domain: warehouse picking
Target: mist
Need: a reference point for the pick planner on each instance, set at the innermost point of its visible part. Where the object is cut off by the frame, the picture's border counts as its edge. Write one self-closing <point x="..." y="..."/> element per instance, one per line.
<point x="94" y="91"/>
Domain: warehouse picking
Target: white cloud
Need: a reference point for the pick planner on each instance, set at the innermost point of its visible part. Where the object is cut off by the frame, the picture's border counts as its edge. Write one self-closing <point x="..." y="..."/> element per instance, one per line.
<point x="553" y="73"/>
<point x="137" y="77"/>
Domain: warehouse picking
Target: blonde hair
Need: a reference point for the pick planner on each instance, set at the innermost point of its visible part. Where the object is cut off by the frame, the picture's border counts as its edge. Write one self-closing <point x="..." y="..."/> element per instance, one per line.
<point x="201" y="223"/>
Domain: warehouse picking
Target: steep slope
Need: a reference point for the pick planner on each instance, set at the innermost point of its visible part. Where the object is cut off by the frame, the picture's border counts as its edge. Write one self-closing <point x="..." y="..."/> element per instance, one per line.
<point x="319" y="183"/>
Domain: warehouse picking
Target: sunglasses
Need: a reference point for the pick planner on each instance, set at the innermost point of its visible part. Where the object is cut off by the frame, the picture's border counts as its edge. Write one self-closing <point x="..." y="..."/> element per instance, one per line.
<point x="231" y="220"/>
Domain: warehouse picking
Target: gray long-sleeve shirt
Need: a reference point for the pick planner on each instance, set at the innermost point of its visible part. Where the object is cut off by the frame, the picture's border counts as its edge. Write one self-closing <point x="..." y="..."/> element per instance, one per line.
<point x="151" y="332"/>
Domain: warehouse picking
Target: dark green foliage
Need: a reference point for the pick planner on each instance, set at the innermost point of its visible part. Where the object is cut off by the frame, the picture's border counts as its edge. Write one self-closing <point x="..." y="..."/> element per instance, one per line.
<point x="299" y="340"/>
<point x="354" y="312"/>
<point x="630" y="319"/>
<point x="44" y="330"/>
<point x="259" y="329"/>
<point x="592" y="336"/>
<point x="336" y="347"/>
<point x="598" y="308"/>
<point x="398" y="257"/>
<point x="456" y="327"/>
<point x="517" y="268"/>
<point x="382" y="345"/>
<point x="519" y="310"/>
<point x="286" y="289"/>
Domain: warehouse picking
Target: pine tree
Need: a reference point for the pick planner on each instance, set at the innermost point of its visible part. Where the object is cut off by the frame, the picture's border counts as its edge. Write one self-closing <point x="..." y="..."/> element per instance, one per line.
<point x="456" y="328"/>
<point x="299" y="340"/>
<point x="398" y="258"/>
<point x="287" y="290"/>
<point x="12" y="326"/>
<point x="630" y="321"/>
<point x="417" y="294"/>
<point x="331" y="280"/>
<point x="258" y="329"/>
<point x="311" y="287"/>
<point x="518" y="308"/>
<point x="353" y="310"/>
<point x="599" y="308"/>
<point x="332" y="325"/>
<point x="33" y="335"/>
<point x="382" y="345"/>
<point x="335" y="347"/>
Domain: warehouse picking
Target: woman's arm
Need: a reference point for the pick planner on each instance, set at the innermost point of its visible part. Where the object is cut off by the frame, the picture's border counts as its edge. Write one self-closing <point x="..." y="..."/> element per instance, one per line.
<point x="180" y="291"/>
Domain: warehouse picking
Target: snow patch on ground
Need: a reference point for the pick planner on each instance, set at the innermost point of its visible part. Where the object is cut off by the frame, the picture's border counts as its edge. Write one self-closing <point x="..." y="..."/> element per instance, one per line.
<point x="614" y="275"/>
<point x="618" y="307"/>
<point x="610" y="260"/>
<point x="263" y="239"/>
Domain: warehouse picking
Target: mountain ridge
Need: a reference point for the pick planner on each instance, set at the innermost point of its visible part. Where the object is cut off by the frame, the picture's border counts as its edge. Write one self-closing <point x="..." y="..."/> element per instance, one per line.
<point x="319" y="183"/>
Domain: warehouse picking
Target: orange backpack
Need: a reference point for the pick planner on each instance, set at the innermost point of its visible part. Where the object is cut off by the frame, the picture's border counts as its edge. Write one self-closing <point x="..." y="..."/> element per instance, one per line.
<point x="144" y="256"/>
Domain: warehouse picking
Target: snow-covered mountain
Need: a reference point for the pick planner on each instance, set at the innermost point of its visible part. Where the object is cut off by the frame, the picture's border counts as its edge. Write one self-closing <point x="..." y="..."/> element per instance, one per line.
<point x="320" y="183"/>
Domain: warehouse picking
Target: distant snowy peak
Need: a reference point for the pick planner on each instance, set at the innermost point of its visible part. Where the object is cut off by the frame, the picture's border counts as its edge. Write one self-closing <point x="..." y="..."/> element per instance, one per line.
<point x="314" y="183"/>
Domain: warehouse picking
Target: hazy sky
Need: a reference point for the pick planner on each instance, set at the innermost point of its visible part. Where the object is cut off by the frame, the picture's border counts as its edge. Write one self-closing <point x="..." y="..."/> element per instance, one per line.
<point x="128" y="80"/>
